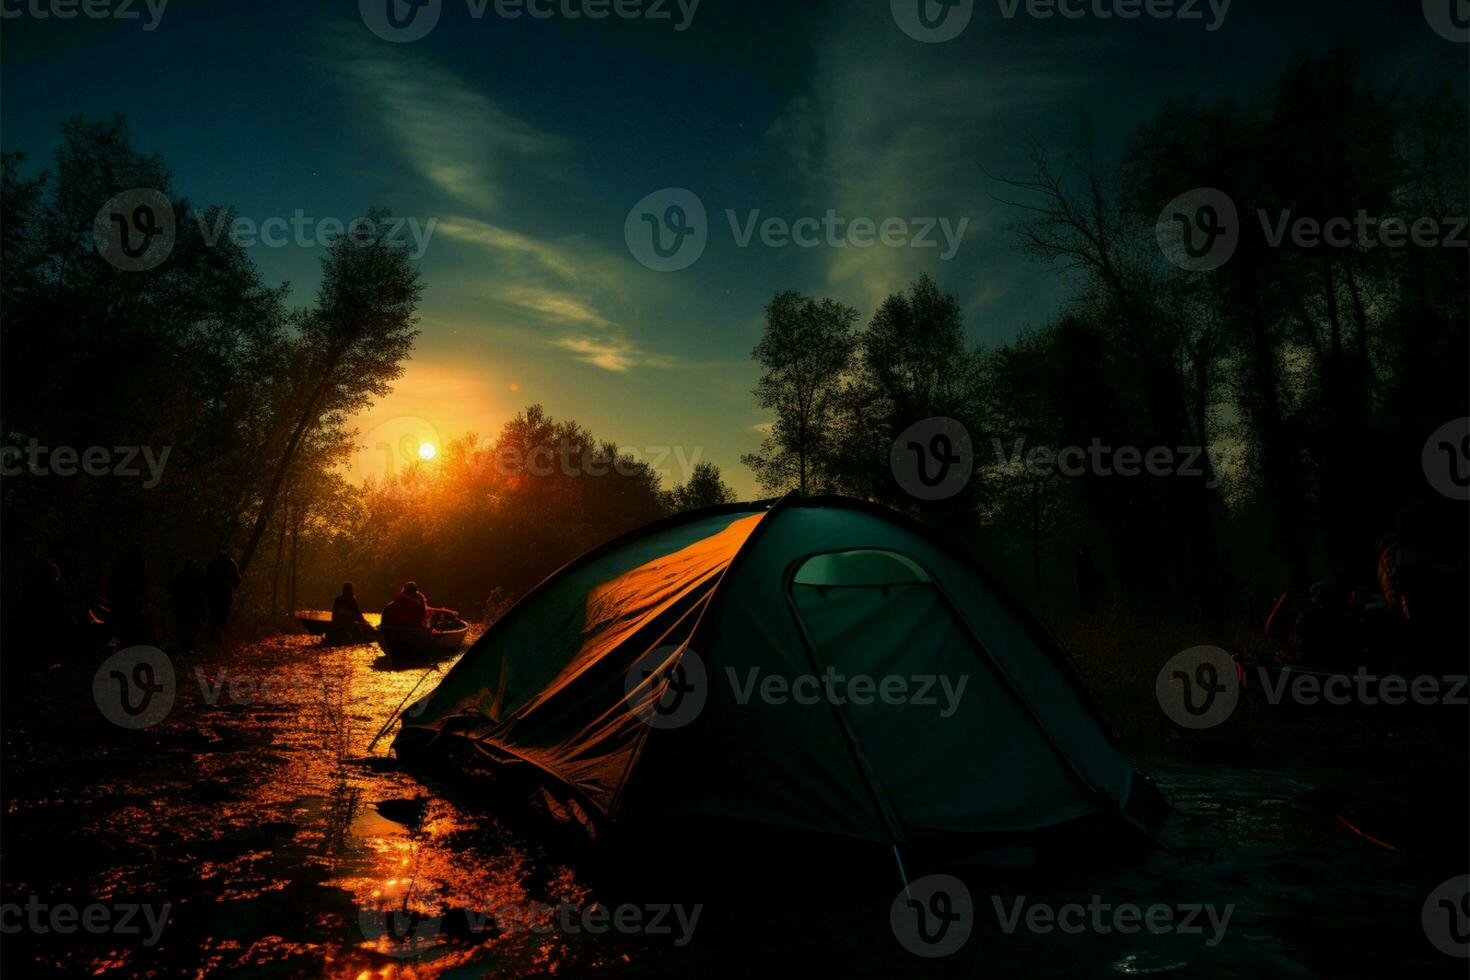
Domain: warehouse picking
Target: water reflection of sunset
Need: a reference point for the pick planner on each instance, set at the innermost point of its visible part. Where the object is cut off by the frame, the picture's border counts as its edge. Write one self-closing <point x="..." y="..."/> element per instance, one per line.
<point x="289" y="821"/>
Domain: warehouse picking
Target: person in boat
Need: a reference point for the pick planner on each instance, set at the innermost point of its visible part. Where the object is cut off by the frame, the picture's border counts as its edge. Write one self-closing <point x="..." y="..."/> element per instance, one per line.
<point x="346" y="612"/>
<point x="410" y="608"/>
<point x="348" y="625"/>
<point x="1322" y="635"/>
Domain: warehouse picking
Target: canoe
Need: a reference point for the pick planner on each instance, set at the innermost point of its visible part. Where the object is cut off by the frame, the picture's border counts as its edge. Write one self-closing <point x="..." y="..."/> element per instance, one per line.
<point x="349" y="635"/>
<point x="318" y="621"/>
<point x="408" y="645"/>
<point x="315" y="623"/>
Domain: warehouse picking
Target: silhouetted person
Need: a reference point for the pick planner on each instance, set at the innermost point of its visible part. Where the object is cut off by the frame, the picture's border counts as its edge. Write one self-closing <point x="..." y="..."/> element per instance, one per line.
<point x="187" y="595"/>
<point x="345" y="610"/>
<point x="1405" y="569"/>
<point x="221" y="579"/>
<point x="410" y="607"/>
<point x="1322" y="635"/>
<point x="1088" y="581"/>
<point x="1423" y="587"/>
<point x="348" y="623"/>
<point x="127" y="593"/>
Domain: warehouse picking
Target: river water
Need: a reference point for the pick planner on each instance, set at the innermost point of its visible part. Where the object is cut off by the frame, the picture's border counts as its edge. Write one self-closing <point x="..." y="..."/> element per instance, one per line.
<point x="255" y="826"/>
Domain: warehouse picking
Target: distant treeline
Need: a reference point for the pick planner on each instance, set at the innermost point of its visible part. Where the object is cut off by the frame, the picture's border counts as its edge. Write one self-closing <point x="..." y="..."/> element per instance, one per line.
<point x="189" y="407"/>
<point x="1314" y="373"/>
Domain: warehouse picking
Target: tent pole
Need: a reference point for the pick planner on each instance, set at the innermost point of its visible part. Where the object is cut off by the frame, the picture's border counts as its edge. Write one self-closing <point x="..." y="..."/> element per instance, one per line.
<point x="903" y="875"/>
<point x="393" y="716"/>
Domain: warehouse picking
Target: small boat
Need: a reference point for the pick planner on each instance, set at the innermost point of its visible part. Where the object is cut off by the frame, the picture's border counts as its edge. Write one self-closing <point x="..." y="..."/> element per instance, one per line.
<point x="315" y="621"/>
<point x="409" y="645"/>
<point x="318" y="622"/>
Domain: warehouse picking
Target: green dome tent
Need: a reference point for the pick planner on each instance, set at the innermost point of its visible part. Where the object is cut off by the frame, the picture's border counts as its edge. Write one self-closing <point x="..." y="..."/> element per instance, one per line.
<point x="814" y="664"/>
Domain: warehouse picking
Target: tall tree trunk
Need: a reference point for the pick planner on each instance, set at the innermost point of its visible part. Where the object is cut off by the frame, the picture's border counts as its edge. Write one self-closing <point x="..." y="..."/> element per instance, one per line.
<point x="276" y="572"/>
<point x="295" y="547"/>
<point x="303" y="425"/>
<point x="1278" y="455"/>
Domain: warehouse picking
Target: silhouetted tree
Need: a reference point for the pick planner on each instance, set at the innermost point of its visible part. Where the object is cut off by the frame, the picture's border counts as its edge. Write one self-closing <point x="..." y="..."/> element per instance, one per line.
<point x="358" y="335"/>
<point x="912" y="365"/>
<point x="184" y="358"/>
<point x="805" y="351"/>
<point x="704" y="488"/>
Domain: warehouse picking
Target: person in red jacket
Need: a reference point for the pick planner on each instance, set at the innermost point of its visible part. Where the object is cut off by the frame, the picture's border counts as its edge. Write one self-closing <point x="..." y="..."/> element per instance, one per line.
<point x="410" y="607"/>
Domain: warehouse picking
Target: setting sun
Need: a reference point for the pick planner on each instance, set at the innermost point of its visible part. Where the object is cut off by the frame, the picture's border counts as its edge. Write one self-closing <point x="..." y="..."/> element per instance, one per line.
<point x="426" y="451"/>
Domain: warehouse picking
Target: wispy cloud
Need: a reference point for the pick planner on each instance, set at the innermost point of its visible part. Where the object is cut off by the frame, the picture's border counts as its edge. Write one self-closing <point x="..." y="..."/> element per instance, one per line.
<point x="476" y="232"/>
<point x="905" y="130"/>
<point x="458" y="138"/>
<point x="610" y="355"/>
<point x="572" y="295"/>
<point x="553" y="305"/>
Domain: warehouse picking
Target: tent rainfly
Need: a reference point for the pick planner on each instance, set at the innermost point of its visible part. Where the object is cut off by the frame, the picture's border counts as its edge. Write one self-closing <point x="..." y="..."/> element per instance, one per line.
<point x="813" y="664"/>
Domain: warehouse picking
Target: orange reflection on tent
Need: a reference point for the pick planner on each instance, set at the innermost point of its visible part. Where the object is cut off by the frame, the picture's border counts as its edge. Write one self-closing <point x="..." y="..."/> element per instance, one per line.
<point x="621" y="607"/>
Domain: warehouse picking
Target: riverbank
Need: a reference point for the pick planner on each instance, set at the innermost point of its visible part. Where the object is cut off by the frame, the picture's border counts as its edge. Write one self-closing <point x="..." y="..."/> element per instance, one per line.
<point x="254" y="813"/>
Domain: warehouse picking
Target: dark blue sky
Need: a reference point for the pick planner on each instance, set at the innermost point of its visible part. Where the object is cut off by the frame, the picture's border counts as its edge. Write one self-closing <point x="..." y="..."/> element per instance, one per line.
<point x="528" y="140"/>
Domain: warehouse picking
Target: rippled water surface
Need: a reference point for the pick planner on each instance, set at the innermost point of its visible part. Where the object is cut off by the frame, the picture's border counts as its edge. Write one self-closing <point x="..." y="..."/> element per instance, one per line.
<point x="281" y="844"/>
